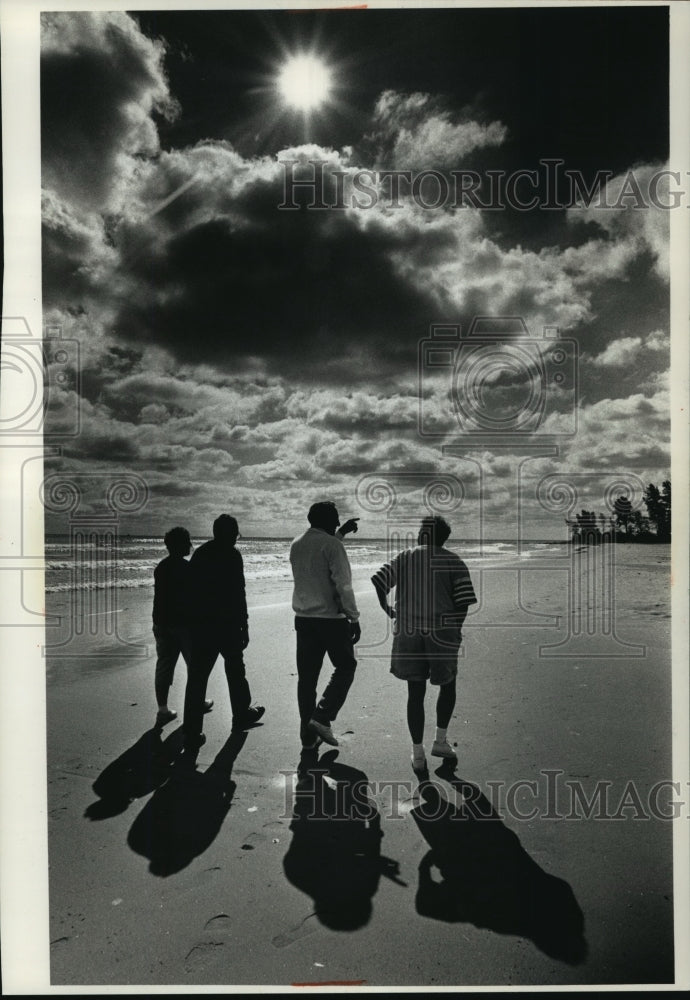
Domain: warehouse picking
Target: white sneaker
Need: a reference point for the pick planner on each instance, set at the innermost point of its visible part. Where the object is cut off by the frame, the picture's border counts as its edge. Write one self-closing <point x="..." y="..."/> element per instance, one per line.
<point x="325" y="732"/>
<point x="442" y="748"/>
<point x="419" y="764"/>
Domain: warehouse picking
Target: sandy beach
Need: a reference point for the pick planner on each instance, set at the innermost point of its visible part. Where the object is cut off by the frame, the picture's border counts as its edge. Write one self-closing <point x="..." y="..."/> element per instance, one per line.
<point x="490" y="875"/>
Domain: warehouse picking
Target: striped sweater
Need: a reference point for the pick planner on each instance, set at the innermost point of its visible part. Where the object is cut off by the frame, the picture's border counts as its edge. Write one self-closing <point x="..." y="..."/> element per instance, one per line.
<point x="432" y="585"/>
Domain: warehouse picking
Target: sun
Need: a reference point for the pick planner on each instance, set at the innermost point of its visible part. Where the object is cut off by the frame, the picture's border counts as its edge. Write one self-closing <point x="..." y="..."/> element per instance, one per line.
<point x="305" y="82"/>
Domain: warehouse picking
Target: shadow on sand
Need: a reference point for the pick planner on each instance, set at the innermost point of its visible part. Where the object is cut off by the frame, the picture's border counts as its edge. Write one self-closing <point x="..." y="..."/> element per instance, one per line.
<point x="487" y="877"/>
<point x="184" y="816"/>
<point x="335" y="854"/>
<point x="139" y="770"/>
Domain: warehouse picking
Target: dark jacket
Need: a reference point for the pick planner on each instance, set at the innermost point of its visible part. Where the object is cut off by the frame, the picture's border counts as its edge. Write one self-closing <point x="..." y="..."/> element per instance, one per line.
<point x="172" y="593"/>
<point x="218" y="590"/>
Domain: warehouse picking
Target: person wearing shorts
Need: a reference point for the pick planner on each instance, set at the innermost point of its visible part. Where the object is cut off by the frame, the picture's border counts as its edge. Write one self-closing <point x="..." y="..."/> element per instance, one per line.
<point x="433" y="592"/>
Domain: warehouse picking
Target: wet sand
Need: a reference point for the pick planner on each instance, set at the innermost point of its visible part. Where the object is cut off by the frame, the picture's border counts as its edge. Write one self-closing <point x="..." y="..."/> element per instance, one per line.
<point x="160" y="875"/>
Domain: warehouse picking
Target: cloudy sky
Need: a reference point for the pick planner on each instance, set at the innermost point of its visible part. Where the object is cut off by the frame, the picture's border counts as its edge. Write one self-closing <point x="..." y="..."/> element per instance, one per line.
<point x="249" y="358"/>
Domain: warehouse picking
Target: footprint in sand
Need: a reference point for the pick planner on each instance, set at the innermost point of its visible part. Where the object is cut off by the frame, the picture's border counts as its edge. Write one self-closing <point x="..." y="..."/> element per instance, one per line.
<point x="303" y="928"/>
<point x="253" y="840"/>
<point x="204" y="952"/>
<point x="221" y="920"/>
<point x="201" y="954"/>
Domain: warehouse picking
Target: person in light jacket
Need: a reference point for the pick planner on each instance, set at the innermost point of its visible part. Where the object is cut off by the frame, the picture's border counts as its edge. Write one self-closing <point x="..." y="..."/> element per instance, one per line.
<point x="326" y="620"/>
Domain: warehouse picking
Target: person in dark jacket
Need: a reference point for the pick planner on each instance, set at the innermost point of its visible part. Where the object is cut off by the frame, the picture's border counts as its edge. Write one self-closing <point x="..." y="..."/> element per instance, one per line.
<point x="219" y="627"/>
<point x="172" y="617"/>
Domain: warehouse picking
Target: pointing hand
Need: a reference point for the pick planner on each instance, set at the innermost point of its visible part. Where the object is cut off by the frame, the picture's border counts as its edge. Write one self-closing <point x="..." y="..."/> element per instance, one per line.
<point x="349" y="526"/>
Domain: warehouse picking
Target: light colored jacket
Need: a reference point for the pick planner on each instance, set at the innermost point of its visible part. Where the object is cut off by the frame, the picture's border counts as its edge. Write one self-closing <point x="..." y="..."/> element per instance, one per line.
<point x="322" y="576"/>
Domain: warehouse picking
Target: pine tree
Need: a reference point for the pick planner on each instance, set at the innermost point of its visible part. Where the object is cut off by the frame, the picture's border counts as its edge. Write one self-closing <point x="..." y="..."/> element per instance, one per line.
<point x="623" y="509"/>
<point x="659" y="508"/>
<point x="587" y="527"/>
<point x="639" y="525"/>
<point x="666" y="504"/>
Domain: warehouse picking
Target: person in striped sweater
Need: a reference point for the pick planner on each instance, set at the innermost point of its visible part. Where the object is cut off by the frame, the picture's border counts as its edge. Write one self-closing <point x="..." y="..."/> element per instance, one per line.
<point x="433" y="591"/>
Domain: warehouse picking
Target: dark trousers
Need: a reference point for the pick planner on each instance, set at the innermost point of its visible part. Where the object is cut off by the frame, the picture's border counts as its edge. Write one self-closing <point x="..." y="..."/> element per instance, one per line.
<point x="206" y="647"/>
<point x="171" y="640"/>
<point x="315" y="638"/>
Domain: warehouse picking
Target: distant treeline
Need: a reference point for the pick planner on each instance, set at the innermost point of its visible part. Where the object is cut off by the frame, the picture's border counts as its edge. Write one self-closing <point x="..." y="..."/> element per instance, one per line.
<point x="590" y="527"/>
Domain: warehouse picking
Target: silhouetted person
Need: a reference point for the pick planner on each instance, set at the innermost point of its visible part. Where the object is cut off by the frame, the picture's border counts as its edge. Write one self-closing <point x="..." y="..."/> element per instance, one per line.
<point x="335" y="854"/>
<point x="143" y="767"/>
<point x="485" y="876"/>
<point x="185" y="814"/>
<point x="172" y="599"/>
<point x="220" y="627"/>
<point x="326" y="620"/>
<point x="433" y="592"/>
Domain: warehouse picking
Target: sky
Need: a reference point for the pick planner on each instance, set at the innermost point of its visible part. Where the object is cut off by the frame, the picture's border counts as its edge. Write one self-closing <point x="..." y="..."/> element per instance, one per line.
<point x="245" y="357"/>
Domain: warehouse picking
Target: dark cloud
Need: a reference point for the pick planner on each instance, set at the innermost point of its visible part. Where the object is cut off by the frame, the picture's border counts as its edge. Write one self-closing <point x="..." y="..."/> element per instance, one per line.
<point x="295" y="288"/>
<point x="115" y="447"/>
<point x="112" y="364"/>
<point x="630" y="303"/>
<point x="101" y="79"/>
<point x="77" y="258"/>
<point x="239" y="354"/>
<point x="201" y="261"/>
<point x="173" y="488"/>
